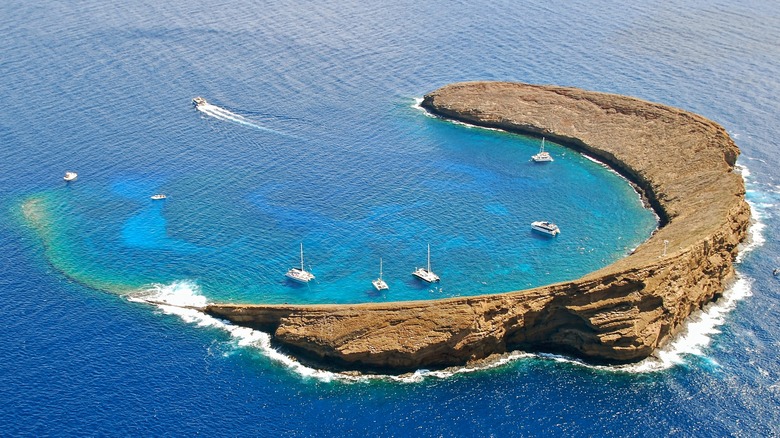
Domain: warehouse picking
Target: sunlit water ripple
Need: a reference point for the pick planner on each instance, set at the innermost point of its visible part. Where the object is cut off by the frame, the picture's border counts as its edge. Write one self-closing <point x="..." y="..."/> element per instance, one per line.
<point x="312" y="136"/>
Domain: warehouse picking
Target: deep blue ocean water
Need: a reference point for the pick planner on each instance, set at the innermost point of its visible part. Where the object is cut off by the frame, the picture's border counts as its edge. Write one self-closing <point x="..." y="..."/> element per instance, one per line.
<point x="312" y="136"/>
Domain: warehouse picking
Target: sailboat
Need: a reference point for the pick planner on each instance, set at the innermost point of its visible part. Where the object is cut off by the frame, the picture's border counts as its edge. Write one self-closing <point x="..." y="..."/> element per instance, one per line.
<point x="380" y="284"/>
<point x="426" y="274"/>
<point x="300" y="275"/>
<point x="543" y="156"/>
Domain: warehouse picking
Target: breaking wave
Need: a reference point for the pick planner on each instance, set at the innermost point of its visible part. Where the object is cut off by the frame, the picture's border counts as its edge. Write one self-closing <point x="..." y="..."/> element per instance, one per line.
<point x="758" y="209"/>
<point x="185" y="300"/>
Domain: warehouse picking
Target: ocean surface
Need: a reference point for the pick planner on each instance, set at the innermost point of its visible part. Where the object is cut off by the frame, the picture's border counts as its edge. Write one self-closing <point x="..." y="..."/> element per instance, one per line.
<point x="313" y="136"/>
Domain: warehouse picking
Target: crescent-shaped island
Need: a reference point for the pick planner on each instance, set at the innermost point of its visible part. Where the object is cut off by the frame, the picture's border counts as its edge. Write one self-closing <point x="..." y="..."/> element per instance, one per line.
<point x="682" y="163"/>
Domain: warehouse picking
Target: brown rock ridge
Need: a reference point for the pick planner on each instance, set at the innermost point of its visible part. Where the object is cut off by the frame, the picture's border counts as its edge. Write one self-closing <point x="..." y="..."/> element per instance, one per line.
<point x="681" y="161"/>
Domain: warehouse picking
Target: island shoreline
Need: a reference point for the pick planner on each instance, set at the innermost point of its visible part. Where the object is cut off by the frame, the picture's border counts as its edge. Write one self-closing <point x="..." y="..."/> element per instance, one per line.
<point x="638" y="189"/>
<point x="682" y="162"/>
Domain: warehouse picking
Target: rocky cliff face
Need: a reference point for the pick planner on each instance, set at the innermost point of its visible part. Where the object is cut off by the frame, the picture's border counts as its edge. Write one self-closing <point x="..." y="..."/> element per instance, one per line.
<point x="681" y="161"/>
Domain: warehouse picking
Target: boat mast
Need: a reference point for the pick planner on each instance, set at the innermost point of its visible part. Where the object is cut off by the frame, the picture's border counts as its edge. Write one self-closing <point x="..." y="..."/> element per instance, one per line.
<point x="380" y="268"/>
<point x="302" y="257"/>
<point x="429" y="257"/>
<point x="542" y="144"/>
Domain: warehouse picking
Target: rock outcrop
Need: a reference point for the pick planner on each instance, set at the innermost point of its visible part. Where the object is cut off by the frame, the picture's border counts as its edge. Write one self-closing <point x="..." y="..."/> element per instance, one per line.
<point x="683" y="164"/>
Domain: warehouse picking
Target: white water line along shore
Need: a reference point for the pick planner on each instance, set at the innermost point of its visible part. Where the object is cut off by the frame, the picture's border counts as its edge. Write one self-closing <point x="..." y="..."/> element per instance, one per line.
<point x="185" y="300"/>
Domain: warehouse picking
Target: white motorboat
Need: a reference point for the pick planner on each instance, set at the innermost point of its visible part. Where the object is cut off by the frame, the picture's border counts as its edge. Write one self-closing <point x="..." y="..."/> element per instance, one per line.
<point x="380" y="284"/>
<point x="300" y="275"/>
<point x="545" y="227"/>
<point x="70" y="176"/>
<point x="426" y="274"/>
<point x="199" y="101"/>
<point x="543" y="156"/>
<point x="158" y="196"/>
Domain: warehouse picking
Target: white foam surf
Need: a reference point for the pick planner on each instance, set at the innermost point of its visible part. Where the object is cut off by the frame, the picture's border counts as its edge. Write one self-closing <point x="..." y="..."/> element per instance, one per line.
<point x="185" y="300"/>
<point x="691" y="341"/>
<point x="759" y="209"/>
<point x="179" y="293"/>
<point x="702" y="325"/>
<point x="418" y="106"/>
<point x="228" y="116"/>
<point x="698" y="332"/>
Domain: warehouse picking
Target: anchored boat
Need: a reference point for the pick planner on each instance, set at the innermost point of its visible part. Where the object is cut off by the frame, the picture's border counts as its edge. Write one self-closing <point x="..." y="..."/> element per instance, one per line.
<point x="545" y="227"/>
<point x="300" y="275"/>
<point x="380" y="284"/>
<point x="543" y="156"/>
<point x="426" y="274"/>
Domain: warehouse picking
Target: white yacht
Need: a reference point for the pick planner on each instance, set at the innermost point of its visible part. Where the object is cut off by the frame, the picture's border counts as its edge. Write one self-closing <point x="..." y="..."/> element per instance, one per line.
<point x="70" y="176"/>
<point x="545" y="227"/>
<point x="198" y="101"/>
<point x="543" y="156"/>
<point x="380" y="284"/>
<point x="300" y="275"/>
<point x="158" y="196"/>
<point x="426" y="274"/>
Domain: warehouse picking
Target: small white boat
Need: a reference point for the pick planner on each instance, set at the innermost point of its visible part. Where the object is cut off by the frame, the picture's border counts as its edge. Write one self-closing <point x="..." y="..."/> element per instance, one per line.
<point x="70" y="176"/>
<point x="380" y="284"/>
<point x="545" y="227"/>
<point x="543" y="156"/>
<point x="300" y="275"/>
<point x="199" y="101"/>
<point x="158" y="196"/>
<point x="426" y="274"/>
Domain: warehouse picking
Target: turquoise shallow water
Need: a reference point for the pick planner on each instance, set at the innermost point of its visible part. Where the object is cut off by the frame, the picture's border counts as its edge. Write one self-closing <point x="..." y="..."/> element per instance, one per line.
<point x="314" y="138"/>
<point x="472" y="195"/>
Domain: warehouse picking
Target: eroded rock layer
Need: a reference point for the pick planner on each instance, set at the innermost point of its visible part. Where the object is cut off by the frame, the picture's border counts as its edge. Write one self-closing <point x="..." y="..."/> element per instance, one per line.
<point x="681" y="161"/>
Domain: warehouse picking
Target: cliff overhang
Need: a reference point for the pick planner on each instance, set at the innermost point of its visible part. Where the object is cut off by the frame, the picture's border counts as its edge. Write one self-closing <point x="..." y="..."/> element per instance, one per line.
<point x="681" y="162"/>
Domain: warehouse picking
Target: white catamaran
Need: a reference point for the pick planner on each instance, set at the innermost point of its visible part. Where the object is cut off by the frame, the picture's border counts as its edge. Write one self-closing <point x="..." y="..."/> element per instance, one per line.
<point x="300" y="275"/>
<point x="380" y="284"/>
<point x="543" y="156"/>
<point x="426" y="274"/>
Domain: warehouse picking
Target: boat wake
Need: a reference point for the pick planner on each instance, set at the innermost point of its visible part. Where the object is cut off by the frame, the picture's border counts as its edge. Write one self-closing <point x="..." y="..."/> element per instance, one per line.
<point x="228" y="116"/>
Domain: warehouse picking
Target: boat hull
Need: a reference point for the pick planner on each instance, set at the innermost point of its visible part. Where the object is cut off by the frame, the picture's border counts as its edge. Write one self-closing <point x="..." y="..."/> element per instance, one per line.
<point x="542" y="158"/>
<point x="426" y="275"/>
<point x="380" y="285"/>
<point x="297" y="275"/>
<point x="199" y="101"/>
<point x="545" y="228"/>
